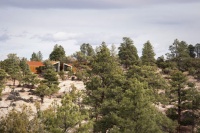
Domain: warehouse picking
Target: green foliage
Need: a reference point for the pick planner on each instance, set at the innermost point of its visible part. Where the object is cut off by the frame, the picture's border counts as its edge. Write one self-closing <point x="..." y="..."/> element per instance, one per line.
<point x="80" y="57"/>
<point x="50" y="76"/>
<point x="148" y="54"/>
<point x="58" y="53"/>
<point x="12" y="66"/>
<point x="19" y="122"/>
<point x="3" y="76"/>
<point x="192" y="71"/>
<point x="31" y="79"/>
<point x="128" y="53"/>
<point x="190" y="84"/>
<point x="36" y="56"/>
<point x="42" y="90"/>
<point x="148" y="75"/>
<point x="120" y="104"/>
<point x="87" y="49"/>
<point x="191" y="50"/>
<point x="179" y="53"/>
<point x="62" y="75"/>
<point x="68" y="116"/>
<point x="105" y="77"/>
<point x="179" y="50"/>
<point x="184" y="100"/>
<point x="24" y="67"/>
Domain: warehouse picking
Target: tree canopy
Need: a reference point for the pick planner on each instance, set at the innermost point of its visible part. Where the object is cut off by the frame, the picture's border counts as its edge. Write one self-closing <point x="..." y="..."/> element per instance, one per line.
<point x="128" y="53"/>
<point x="148" y="54"/>
<point x="58" y="53"/>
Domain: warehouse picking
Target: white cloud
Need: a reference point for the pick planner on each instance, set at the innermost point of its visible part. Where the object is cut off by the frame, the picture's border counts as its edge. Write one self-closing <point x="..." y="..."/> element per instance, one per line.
<point x="30" y="29"/>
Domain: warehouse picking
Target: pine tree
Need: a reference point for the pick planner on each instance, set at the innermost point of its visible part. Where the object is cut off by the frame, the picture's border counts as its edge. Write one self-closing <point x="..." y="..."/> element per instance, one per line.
<point x="119" y="104"/>
<point x="178" y="50"/>
<point x="24" y="67"/>
<point x="128" y="53"/>
<point x="135" y="112"/>
<point x="184" y="100"/>
<point x="148" y="74"/>
<point x="106" y="75"/>
<point x="19" y="122"/>
<point x="40" y="56"/>
<point x="58" y="53"/>
<point x="148" y="54"/>
<point x="12" y="67"/>
<point x="2" y="80"/>
<point x="34" y="57"/>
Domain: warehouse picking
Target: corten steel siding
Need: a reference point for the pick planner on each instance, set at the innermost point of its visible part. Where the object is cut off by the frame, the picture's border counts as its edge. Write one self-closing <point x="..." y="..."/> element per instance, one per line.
<point x="33" y="65"/>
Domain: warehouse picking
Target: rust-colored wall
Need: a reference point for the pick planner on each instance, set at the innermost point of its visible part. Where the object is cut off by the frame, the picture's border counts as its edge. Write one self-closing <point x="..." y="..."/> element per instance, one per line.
<point x="33" y="65"/>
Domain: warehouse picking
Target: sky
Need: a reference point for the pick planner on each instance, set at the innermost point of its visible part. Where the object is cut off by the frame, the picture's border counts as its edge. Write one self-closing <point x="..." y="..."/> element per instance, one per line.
<point x="28" y="26"/>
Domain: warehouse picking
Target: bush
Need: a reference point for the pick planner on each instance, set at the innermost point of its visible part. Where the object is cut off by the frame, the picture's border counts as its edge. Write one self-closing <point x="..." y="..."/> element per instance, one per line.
<point x="22" y="90"/>
<point x="167" y="71"/>
<point x="171" y="113"/>
<point x="15" y="93"/>
<point x="192" y="71"/>
<point x="190" y="84"/>
<point x="187" y="118"/>
<point x="31" y="99"/>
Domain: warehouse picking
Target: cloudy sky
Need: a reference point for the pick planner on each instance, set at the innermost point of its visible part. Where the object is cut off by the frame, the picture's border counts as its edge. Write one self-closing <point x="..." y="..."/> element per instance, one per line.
<point x="27" y="26"/>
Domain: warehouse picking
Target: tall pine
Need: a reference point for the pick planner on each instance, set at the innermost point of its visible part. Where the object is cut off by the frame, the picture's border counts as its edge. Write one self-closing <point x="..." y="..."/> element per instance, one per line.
<point x="128" y="53"/>
<point x="148" y="54"/>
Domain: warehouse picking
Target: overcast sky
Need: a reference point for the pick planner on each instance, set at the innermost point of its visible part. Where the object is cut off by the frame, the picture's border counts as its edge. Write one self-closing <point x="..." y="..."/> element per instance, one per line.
<point x="28" y="26"/>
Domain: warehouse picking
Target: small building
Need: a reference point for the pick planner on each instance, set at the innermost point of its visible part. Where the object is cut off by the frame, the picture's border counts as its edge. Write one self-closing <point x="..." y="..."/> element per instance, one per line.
<point x="67" y="67"/>
<point x="56" y="65"/>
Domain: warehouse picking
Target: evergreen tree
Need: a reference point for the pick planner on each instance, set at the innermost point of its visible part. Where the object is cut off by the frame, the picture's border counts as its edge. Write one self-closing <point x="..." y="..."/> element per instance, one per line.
<point x="40" y="56"/>
<point x="135" y="112"/>
<point x="120" y="105"/>
<point x="58" y="53"/>
<point x="34" y="57"/>
<point x="128" y="53"/>
<point x="113" y="51"/>
<point x="50" y="77"/>
<point x="155" y="82"/>
<point x="31" y="79"/>
<point x="184" y="100"/>
<point x="148" y="54"/>
<point x="24" y="67"/>
<point x="191" y="50"/>
<point x="42" y="90"/>
<point x="68" y="116"/>
<point x="2" y="80"/>
<point x="179" y="50"/>
<point x="87" y="49"/>
<point x="102" y="83"/>
<point x="179" y="54"/>
<point x="20" y="122"/>
<point x="12" y="66"/>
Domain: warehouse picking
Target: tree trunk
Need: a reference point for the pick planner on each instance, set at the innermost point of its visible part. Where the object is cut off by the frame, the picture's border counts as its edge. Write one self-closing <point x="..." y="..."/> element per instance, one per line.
<point x="42" y="99"/>
<point x="13" y="82"/>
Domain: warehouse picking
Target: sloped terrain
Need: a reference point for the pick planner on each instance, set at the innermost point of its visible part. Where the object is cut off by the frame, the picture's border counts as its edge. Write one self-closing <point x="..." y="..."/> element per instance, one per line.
<point x="28" y="99"/>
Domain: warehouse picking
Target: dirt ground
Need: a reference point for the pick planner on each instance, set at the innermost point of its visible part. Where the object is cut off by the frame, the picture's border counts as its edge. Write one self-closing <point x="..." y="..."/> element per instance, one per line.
<point x="65" y="86"/>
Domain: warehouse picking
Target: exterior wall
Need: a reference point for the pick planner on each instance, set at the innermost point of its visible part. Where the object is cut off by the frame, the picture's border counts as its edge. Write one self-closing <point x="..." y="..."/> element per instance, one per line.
<point x="33" y="65"/>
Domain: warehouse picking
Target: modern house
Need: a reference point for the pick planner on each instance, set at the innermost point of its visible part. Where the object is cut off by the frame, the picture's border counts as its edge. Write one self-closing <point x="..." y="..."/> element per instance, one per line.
<point x="34" y="65"/>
